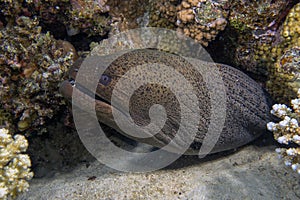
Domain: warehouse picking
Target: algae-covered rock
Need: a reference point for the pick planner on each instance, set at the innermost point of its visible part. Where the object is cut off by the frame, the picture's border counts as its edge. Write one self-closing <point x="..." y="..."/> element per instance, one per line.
<point x="251" y="31"/>
<point x="201" y="20"/>
<point x="32" y="65"/>
<point x="283" y="76"/>
<point x="64" y="16"/>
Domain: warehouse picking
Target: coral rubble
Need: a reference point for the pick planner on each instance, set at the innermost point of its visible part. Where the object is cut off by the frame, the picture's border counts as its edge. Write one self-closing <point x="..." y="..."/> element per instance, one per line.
<point x="14" y="165"/>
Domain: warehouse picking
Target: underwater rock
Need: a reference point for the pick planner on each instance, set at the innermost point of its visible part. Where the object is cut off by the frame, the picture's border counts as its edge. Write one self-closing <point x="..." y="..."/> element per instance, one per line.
<point x="252" y="29"/>
<point x="32" y="65"/>
<point x="69" y="16"/>
<point x="283" y="82"/>
<point x="127" y="14"/>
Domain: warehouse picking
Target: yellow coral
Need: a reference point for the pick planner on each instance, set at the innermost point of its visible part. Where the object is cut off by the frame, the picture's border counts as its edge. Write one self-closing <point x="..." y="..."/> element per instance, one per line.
<point x="284" y="79"/>
<point x="287" y="132"/>
<point x="14" y="165"/>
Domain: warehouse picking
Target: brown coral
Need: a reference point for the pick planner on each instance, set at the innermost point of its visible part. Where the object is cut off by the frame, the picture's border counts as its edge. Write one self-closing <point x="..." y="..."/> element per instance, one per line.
<point x="75" y="16"/>
<point x="201" y="20"/>
<point x="127" y="14"/>
<point x="32" y="65"/>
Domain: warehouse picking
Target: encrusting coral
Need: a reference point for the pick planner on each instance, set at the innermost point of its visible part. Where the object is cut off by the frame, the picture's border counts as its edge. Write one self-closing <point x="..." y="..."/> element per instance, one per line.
<point x="252" y="29"/>
<point x="287" y="132"/>
<point x="14" y="165"/>
<point x="284" y="76"/>
<point x="163" y="13"/>
<point x="201" y="20"/>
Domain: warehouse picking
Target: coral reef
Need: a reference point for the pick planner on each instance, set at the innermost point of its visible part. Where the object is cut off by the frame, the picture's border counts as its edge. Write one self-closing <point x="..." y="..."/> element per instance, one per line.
<point x="32" y="65"/>
<point x="201" y="20"/>
<point x="88" y="16"/>
<point x="127" y="14"/>
<point x="14" y="165"/>
<point x="251" y="31"/>
<point x="70" y="16"/>
<point x="283" y="76"/>
<point x="262" y="38"/>
<point x="287" y="132"/>
<point x="251" y="26"/>
<point x="163" y="13"/>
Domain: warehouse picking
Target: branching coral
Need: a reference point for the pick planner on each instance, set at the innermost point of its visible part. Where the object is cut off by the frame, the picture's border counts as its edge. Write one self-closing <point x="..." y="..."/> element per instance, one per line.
<point x="14" y="165"/>
<point x="287" y="132"/>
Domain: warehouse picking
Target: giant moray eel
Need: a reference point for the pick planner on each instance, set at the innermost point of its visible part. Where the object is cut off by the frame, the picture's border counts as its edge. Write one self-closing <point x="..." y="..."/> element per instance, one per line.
<point x="247" y="112"/>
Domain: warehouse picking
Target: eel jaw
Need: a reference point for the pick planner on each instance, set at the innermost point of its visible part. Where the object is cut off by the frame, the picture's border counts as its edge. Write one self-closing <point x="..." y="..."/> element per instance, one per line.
<point x="102" y="107"/>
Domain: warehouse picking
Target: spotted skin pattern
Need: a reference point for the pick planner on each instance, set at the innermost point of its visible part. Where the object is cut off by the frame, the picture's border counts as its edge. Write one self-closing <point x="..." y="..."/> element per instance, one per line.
<point x="247" y="104"/>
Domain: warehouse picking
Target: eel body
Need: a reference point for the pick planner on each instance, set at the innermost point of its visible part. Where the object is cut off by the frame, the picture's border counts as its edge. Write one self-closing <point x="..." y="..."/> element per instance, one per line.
<point x="247" y="104"/>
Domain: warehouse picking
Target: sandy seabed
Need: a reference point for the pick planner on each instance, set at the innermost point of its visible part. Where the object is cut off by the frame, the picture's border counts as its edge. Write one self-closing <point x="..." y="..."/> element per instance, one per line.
<point x="252" y="172"/>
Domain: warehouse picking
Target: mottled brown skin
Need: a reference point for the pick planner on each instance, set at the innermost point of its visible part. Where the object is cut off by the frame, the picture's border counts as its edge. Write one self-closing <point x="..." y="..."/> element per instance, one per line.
<point x="247" y="112"/>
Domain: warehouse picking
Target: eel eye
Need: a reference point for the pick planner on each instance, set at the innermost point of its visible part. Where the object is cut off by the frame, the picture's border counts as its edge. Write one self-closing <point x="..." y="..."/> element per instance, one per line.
<point x="105" y="79"/>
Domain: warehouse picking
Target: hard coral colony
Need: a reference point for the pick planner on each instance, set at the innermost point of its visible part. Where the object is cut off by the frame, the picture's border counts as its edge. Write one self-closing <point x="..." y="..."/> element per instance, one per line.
<point x="201" y="20"/>
<point x="32" y="65"/>
<point x="32" y="62"/>
<point x="14" y="165"/>
<point x="287" y="132"/>
<point x="284" y="72"/>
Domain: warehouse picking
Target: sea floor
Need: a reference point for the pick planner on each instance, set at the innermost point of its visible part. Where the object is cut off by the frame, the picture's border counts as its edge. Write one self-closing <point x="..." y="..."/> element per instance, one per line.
<point x="251" y="172"/>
